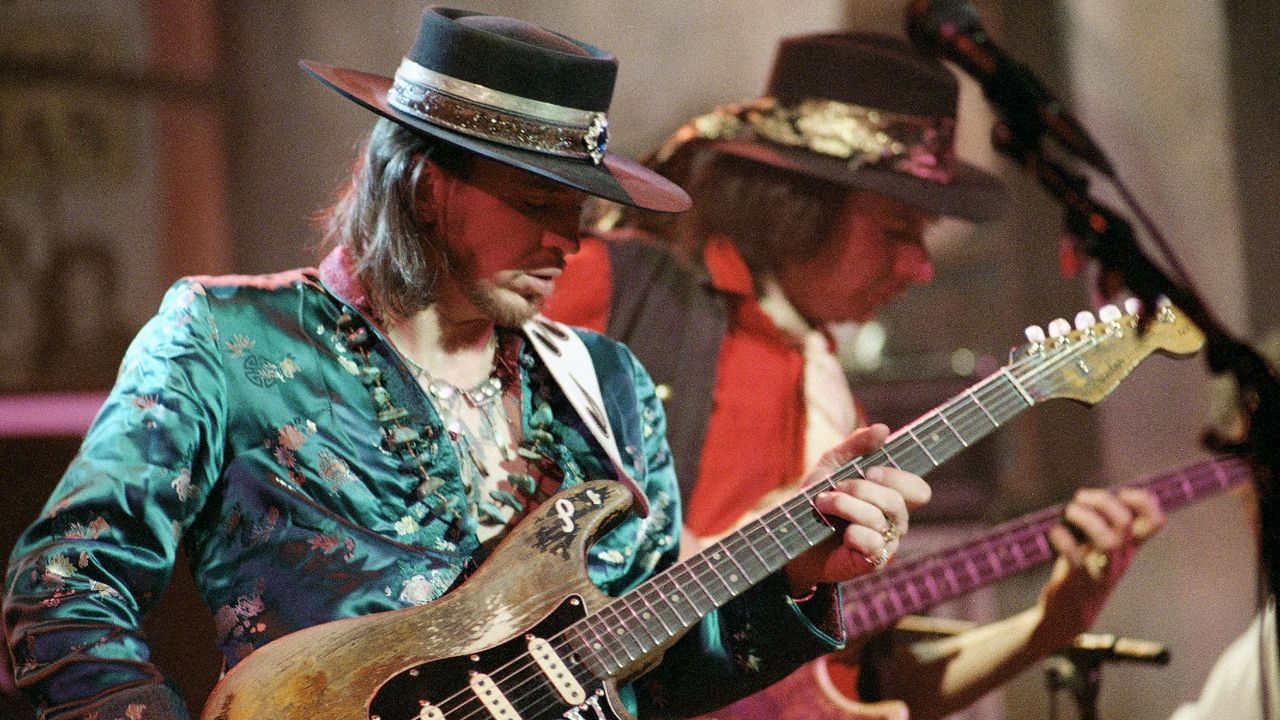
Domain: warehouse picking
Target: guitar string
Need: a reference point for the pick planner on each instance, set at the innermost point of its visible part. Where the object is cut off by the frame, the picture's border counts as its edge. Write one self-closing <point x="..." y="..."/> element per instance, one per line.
<point x="1064" y="355"/>
<point x="513" y="671"/>
<point x="1202" y="478"/>
<point x="1045" y="365"/>
<point x="676" y="618"/>
<point x="1042" y="365"/>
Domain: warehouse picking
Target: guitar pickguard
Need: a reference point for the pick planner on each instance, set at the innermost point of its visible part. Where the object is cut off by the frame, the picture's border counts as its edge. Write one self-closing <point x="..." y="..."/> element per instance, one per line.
<point x="422" y="691"/>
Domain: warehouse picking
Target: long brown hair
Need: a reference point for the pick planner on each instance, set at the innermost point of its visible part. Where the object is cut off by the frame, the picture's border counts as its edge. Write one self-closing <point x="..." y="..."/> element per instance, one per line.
<point x="374" y="216"/>
<point x="771" y="215"/>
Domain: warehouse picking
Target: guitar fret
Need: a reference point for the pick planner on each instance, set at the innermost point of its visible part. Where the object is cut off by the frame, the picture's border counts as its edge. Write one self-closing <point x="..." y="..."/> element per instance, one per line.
<point x="764" y="570"/>
<point x="621" y="638"/>
<point x="885" y="449"/>
<point x="673" y="601"/>
<point x="746" y="577"/>
<point x="1017" y="386"/>
<point x="940" y="442"/>
<point x="591" y="660"/>
<point x="668" y="600"/>
<point x="607" y="644"/>
<point x="974" y="575"/>
<point x="895" y="598"/>
<point x="641" y="620"/>
<point x="945" y="421"/>
<point x="786" y="511"/>
<point x="716" y="572"/>
<point x="931" y="584"/>
<point x="711" y="600"/>
<point x="1017" y="553"/>
<point x="656" y="613"/>
<point x="952" y="580"/>
<point x="1042" y="543"/>
<point x="933" y="460"/>
<point x="769" y="531"/>
<point x="914" y="595"/>
<point x="882" y="613"/>
<point x="621" y="634"/>
<point x="983" y="408"/>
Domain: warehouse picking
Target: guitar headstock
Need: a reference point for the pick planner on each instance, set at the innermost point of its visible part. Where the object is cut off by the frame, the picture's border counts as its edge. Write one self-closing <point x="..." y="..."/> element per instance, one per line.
<point x="1085" y="362"/>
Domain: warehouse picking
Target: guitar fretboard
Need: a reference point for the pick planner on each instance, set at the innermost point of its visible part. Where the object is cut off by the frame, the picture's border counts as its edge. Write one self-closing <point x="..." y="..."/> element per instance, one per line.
<point x="875" y="602"/>
<point x="658" y="611"/>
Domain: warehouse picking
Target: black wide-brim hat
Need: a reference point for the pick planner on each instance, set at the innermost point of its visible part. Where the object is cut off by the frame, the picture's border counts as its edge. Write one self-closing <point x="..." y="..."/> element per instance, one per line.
<point x="866" y="111"/>
<point x="513" y="92"/>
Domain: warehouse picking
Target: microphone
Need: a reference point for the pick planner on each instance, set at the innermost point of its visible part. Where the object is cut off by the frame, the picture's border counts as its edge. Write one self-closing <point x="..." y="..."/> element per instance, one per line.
<point x="950" y="29"/>
<point x="1106" y="646"/>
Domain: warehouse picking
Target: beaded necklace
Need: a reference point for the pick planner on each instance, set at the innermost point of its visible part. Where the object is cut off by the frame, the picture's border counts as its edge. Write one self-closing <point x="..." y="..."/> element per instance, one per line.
<point x="475" y="420"/>
<point x="541" y="451"/>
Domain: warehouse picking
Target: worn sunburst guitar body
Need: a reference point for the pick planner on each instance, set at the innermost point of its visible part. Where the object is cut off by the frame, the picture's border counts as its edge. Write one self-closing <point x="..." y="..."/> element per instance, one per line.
<point x="529" y="637"/>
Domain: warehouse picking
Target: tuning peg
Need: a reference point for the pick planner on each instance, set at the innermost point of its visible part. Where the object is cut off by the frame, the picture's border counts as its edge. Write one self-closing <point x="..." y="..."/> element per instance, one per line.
<point x="1109" y="313"/>
<point x="1059" y="327"/>
<point x="1035" y="334"/>
<point x="1084" y="320"/>
<point x="1132" y="305"/>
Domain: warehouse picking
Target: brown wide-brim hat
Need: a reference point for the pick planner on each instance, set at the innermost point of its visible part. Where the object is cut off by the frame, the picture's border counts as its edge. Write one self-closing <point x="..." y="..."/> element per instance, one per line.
<point x="512" y="92"/>
<point x="866" y="111"/>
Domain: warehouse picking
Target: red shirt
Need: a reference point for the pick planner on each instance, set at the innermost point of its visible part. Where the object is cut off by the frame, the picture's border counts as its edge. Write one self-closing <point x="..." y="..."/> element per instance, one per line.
<point x="755" y="435"/>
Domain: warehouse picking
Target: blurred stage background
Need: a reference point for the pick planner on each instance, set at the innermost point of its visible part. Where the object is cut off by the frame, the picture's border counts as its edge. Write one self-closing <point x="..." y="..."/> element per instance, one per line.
<point x="140" y="141"/>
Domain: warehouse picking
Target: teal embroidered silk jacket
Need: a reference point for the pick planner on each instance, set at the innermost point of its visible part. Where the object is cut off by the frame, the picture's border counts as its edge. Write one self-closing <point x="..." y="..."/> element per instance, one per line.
<point x="267" y="425"/>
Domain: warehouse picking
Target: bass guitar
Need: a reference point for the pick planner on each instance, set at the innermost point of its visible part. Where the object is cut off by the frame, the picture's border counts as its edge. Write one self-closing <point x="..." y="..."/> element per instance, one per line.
<point x="529" y="637"/>
<point x="877" y="601"/>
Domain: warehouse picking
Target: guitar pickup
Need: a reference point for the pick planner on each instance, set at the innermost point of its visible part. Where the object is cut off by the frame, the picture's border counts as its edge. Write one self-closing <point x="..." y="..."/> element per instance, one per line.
<point x="494" y="701"/>
<point x="556" y="672"/>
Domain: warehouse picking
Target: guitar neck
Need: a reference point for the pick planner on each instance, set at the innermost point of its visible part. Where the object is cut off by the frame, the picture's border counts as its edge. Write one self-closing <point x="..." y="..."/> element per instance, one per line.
<point x="877" y="601"/>
<point x="659" y="610"/>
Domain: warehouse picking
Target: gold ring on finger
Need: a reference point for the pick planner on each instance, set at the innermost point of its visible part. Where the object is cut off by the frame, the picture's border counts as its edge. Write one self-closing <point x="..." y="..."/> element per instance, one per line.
<point x="880" y="558"/>
<point x="891" y="533"/>
<point x="1095" y="563"/>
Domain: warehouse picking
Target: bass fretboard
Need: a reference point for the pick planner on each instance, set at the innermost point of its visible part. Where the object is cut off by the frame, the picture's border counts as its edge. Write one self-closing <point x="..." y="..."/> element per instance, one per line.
<point x="875" y="602"/>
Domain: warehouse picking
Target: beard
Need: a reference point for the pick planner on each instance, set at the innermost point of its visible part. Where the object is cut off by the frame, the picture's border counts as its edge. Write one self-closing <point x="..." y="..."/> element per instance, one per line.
<point x="504" y="306"/>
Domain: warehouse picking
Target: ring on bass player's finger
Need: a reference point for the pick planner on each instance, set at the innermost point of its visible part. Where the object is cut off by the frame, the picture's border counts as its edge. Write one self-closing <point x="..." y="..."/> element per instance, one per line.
<point x="880" y="558"/>
<point x="892" y="532"/>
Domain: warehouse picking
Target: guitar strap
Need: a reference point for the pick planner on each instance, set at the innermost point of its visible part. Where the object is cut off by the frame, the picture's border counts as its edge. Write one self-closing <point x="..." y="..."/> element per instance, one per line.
<point x="566" y="357"/>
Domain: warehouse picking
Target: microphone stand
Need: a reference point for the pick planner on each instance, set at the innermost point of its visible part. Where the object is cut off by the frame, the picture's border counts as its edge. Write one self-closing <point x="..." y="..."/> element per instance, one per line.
<point x="1109" y="238"/>
<point x="1081" y="676"/>
<point x="1078" y="669"/>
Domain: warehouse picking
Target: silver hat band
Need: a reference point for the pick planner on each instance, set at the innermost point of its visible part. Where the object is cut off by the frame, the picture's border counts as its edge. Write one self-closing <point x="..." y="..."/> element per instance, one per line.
<point x="497" y="116"/>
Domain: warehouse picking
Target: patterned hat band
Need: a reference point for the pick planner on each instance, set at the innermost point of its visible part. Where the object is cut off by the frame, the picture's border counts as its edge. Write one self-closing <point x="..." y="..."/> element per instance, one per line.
<point x="498" y="116"/>
<point x="913" y="144"/>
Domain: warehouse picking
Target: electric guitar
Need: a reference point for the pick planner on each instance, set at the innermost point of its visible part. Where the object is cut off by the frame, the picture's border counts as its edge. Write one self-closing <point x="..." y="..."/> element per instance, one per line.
<point x="876" y="601"/>
<point x="529" y="637"/>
